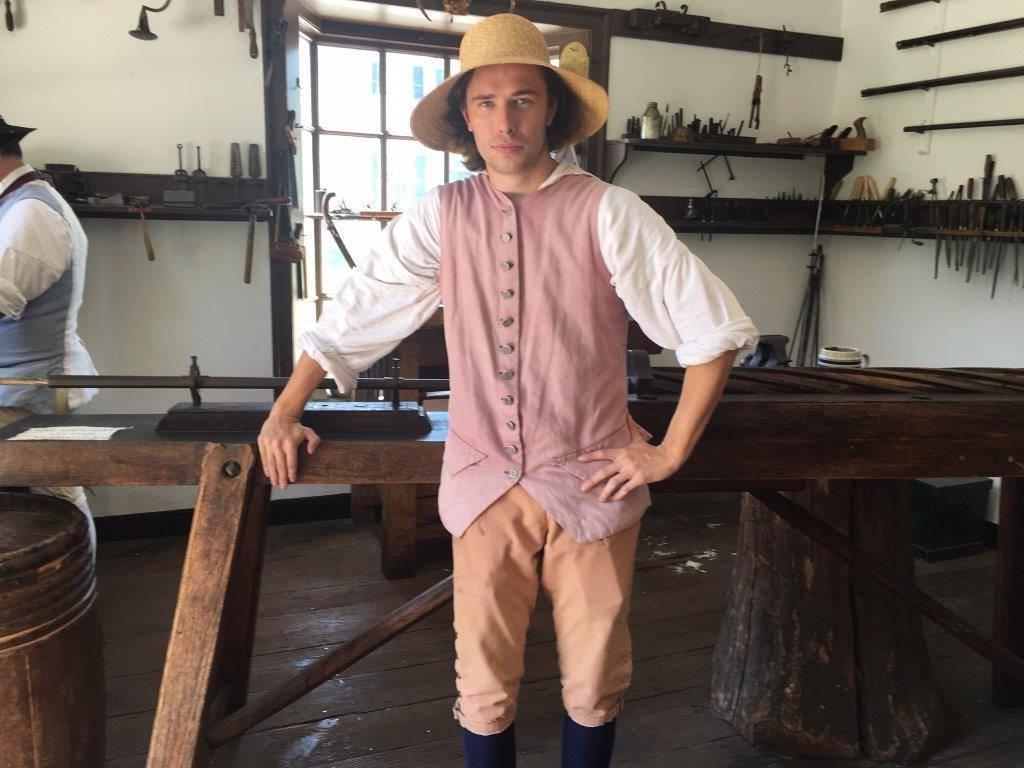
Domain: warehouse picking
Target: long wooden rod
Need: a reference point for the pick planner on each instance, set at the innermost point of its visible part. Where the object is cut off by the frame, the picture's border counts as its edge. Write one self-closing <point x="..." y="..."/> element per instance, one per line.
<point x="341" y="658"/>
<point x="901" y="587"/>
<point x="937" y="82"/>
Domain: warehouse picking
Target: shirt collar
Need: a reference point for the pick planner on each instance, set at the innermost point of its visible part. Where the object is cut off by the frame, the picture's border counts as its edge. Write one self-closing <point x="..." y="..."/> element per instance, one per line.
<point x="13" y="176"/>
<point x="562" y="169"/>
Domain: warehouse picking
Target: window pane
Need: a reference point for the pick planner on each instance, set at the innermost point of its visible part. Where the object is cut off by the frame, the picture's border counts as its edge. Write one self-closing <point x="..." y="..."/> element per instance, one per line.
<point x="350" y="167"/>
<point x="348" y="89"/>
<point x="359" y="237"/>
<point x="456" y="170"/>
<point x="412" y="170"/>
<point x="408" y="77"/>
<point x="305" y="82"/>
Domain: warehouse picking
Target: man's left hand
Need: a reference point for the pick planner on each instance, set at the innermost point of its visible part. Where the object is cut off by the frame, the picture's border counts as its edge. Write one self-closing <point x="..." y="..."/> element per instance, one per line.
<point x="635" y="465"/>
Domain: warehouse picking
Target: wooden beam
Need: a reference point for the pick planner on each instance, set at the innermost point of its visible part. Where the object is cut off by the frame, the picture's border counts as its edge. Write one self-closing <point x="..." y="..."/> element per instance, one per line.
<point x="185" y="690"/>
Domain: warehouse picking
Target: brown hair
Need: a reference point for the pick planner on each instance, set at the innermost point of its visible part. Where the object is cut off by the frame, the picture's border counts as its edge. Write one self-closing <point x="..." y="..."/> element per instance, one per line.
<point x="559" y="133"/>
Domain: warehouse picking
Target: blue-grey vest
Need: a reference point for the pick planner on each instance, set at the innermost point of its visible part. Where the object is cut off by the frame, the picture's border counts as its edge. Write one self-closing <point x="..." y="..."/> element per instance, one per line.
<point x="33" y="346"/>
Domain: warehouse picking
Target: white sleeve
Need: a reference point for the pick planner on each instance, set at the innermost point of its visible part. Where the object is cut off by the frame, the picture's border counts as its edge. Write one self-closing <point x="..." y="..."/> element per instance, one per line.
<point x="35" y="249"/>
<point x="676" y="300"/>
<point x="386" y="298"/>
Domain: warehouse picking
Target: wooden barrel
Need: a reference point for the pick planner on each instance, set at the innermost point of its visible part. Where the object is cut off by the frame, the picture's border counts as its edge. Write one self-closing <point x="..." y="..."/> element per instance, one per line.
<point x="51" y="663"/>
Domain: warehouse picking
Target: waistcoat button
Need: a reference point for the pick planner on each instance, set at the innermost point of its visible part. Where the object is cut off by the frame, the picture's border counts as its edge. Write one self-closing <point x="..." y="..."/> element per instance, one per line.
<point x="511" y="449"/>
<point x="506" y="348"/>
<point x="510" y="424"/>
<point x="507" y="399"/>
<point x="506" y="321"/>
<point x="506" y="265"/>
<point x="506" y="374"/>
<point x="512" y="473"/>
<point x="508" y="293"/>
<point x="506" y="237"/>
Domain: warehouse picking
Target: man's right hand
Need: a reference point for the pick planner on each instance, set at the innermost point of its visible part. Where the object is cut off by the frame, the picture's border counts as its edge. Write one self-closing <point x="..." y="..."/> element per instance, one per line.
<point x="279" y="443"/>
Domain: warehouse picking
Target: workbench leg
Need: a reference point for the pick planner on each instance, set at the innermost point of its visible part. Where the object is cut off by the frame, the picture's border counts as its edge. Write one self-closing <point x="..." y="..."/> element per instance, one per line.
<point x="225" y="487"/>
<point x="398" y="531"/>
<point x="239" y="626"/>
<point x="1009" y="620"/>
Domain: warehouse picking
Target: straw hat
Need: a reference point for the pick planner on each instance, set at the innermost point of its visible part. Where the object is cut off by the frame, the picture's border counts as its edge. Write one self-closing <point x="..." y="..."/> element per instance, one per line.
<point x="506" y="39"/>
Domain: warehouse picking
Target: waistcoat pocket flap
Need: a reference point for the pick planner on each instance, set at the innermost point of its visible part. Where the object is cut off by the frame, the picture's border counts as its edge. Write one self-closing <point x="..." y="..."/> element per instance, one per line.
<point x="570" y="462"/>
<point x="458" y="454"/>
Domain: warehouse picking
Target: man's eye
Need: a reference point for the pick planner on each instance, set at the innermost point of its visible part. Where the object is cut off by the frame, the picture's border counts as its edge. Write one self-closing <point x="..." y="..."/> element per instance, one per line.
<point x="523" y="102"/>
<point x="486" y="104"/>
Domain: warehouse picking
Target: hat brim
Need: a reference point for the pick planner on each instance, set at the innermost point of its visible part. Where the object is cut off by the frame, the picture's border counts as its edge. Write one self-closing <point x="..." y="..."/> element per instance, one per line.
<point x="430" y="127"/>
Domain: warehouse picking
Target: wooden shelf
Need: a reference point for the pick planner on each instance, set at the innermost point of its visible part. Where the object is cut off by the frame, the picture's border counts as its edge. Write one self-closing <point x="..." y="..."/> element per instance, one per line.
<point x="734" y="149"/>
<point x="838" y="162"/>
<point x="164" y="213"/>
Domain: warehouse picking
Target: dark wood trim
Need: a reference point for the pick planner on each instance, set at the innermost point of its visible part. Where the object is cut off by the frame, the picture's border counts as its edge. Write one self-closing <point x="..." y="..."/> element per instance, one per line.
<point x="960" y="34"/>
<point x="376" y="35"/>
<point x="275" y="102"/>
<point x="939" y="82"/>
<point x="895" y="5"/>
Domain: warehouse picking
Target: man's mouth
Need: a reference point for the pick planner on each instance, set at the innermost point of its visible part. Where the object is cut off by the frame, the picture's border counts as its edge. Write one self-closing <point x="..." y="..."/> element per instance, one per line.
<point x="507" y="149"/>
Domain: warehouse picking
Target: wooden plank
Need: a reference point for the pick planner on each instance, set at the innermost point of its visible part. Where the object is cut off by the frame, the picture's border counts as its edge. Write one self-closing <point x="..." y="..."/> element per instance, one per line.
<point x="224" y="489"/>
<point x="398" y="530"/>
<point x="238" y="629"/>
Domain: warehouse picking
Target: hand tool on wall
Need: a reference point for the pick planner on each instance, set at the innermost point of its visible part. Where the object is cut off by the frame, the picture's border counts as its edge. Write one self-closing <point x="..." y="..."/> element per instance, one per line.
<point x="333" y="230"/>
<point x="8" y="16"/>
<point x="986" y="194"/>
<point x="1000" y="245"/>
<point x="255" y="163"/>
<point x="755" y="102"/>
<point x="236" y="165"/>
<point x="250" y="23"/>
<point x="218" y="7"/>
<point x="181" y="175"/>
<point x="280" y="27"/>
<point x="199" y="178"/>
<point x="140" y="204"/>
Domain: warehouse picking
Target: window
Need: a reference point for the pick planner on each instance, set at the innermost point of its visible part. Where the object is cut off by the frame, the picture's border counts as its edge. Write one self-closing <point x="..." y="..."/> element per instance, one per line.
<point x="357" y="143"/>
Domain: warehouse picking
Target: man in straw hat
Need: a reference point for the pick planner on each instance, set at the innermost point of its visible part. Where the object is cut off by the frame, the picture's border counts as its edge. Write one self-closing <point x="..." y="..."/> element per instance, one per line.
<point x="539" y="266"/>
<point x="42" y="274"/>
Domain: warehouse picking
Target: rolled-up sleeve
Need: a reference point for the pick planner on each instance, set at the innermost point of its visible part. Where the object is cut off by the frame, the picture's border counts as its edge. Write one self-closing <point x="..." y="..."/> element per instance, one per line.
<point x="674" y="298"/>
<point x="392" y="292"/>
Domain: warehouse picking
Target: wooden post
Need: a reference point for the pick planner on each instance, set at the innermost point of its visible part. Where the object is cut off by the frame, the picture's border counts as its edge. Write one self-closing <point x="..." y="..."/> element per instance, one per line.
<point x="815" y="661"/>
<point x="398" y="531"/>
<point x="1008" y="627"/>
<point x="225" y="487"/>
<point x="234" y="652"/>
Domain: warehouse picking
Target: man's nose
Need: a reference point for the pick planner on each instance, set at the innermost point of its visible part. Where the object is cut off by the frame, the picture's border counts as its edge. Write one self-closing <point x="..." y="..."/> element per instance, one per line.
<point x="506" y="120"/>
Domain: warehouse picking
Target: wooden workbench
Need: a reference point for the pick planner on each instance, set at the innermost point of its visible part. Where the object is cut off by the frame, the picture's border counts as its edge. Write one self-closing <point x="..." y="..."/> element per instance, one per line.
<point x="752" y="442"/>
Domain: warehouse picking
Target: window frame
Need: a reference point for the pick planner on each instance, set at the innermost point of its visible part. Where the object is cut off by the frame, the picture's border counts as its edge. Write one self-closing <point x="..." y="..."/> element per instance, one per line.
<point x="314" y="132"/>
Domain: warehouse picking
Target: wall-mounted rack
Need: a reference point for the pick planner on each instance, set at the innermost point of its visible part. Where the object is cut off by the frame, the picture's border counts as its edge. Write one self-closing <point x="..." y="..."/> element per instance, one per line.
<point x="960" y="34"/>
<point x="838" y="162"/>
<point x="956" y="126"/>
<point x="734" y="37"/>
<point x="224" y="196"/>
<point x="894" y="5"/>
<point x="976" y="77"/>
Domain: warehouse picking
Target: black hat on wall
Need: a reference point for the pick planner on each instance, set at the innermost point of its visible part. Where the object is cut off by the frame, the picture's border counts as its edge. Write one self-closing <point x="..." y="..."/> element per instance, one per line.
<point x="12" y="132"/>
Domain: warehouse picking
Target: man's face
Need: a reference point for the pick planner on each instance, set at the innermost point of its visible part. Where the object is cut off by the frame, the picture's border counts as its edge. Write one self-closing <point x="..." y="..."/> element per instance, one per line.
<point x="508" y="111"/>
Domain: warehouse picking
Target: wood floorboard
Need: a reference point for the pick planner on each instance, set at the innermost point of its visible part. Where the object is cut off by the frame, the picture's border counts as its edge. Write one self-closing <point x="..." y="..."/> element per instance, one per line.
<point x="322" y="585"/>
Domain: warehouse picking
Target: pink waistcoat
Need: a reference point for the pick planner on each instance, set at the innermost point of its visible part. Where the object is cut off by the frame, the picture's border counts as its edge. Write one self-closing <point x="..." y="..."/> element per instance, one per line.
<point x="536" y="340"/>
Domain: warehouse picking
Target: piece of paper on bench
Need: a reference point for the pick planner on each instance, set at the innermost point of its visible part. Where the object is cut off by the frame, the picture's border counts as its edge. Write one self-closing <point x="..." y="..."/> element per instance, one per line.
<point x="68" y="433"/>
